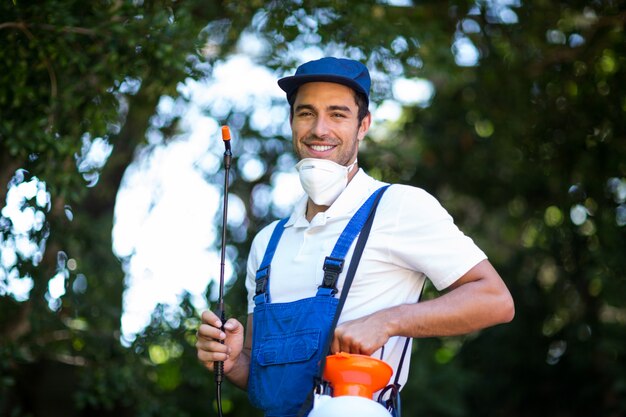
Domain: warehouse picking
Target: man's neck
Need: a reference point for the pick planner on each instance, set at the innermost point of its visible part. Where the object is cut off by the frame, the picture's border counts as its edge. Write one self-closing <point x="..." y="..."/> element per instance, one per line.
<point x="312" y="209"/>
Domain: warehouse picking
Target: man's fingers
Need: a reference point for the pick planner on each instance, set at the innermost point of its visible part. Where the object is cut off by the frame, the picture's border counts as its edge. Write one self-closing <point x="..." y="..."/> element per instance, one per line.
<point x="210" y="318"/>
<point x="335" y="347"/>
<point x="211" y="345"/>
<point x="216" y="344"/>
<point x="233" y="325"/>
<point x="345" y="341"/>
<point x="210" y="351"/>
<point x="206" y="331"/>
<point x="208" y="358"/>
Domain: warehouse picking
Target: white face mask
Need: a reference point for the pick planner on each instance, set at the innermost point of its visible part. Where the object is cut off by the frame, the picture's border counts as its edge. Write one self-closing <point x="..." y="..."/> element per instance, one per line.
<point x="323" y="180"/>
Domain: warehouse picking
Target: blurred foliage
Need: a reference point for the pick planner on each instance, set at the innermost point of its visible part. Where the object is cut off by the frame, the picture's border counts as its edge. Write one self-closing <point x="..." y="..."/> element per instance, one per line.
<point x="526" y="148"/>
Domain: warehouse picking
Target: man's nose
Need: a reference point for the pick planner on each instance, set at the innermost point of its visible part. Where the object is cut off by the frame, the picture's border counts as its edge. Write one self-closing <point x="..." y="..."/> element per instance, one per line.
<point x="322" y="127"/>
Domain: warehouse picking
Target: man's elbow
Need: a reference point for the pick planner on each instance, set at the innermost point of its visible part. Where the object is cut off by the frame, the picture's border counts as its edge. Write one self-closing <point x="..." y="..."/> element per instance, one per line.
<point x="506" y="309"/>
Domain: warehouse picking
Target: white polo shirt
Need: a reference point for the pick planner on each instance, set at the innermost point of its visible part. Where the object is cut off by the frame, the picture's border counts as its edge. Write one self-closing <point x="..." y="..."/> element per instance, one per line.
<point x="412" y="238"/>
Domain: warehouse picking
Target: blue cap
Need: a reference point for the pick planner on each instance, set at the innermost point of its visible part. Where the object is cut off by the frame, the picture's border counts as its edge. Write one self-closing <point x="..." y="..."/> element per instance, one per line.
<point x="335" y="70"/>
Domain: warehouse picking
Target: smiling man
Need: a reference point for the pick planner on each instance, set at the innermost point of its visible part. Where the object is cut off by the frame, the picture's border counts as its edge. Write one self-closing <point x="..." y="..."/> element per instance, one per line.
<point x="326" y="133"/>
<point x="412" y="239"/>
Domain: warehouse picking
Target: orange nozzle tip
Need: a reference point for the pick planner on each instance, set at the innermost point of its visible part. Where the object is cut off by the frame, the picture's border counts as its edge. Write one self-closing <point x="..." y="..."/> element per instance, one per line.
<point x="225" y="133"/>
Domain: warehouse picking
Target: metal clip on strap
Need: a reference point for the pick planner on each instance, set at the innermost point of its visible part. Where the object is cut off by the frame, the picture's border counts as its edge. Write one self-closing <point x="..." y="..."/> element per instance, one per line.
<point x="261" y="279"/>
<point x="263" y="273"/>
<point x="332" y="269"/>
<point x="333" y="264"/>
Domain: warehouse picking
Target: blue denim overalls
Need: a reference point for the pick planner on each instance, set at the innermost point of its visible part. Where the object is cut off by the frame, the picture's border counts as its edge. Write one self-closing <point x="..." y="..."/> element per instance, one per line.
<point x="288" y="339"/>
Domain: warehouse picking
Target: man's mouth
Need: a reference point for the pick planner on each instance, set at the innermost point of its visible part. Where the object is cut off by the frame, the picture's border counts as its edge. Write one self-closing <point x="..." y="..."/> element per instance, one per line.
<point x="321" y="148"/>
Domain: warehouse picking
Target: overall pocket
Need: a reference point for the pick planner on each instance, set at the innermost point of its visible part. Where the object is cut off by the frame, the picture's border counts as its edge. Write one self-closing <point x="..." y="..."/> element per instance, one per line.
<point x="283" y="369"/>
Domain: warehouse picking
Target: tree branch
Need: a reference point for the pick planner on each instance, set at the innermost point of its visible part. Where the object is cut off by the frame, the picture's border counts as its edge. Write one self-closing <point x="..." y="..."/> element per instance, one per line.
<point x="65" y="29"/>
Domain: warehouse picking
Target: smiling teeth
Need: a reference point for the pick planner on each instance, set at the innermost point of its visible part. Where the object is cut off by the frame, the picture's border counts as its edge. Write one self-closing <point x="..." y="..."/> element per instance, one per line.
<point x="321" y="148"/>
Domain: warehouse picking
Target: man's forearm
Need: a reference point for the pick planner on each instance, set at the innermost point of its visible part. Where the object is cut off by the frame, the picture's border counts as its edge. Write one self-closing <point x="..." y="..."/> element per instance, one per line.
<point x="472" y="305"/>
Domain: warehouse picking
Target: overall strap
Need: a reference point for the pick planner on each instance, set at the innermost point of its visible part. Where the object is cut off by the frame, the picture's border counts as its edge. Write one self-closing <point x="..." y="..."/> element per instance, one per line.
<point x="354" y="263"/>
<point x="333" y="264"/>
<point x="263" y="273"/>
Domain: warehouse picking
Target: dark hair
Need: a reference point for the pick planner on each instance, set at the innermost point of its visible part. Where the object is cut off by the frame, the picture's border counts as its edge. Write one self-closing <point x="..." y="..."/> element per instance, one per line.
<point x="361" y="100"/>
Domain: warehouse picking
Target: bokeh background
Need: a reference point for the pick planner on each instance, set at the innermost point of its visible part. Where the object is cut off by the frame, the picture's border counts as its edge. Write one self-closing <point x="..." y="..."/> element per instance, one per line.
<point x="512" y="113"/>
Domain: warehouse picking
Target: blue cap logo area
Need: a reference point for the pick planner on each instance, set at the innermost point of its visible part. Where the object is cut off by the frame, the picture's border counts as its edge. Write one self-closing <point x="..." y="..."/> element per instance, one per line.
<point x="335" y="70"/>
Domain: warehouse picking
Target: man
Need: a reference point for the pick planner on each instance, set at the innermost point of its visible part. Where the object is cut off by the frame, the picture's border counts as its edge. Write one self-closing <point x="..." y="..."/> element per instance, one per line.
<point x="412" y="238"/>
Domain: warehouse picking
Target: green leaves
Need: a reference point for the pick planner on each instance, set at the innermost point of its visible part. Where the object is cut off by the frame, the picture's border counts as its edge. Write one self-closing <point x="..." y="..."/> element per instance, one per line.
<point x="525" y="147"/>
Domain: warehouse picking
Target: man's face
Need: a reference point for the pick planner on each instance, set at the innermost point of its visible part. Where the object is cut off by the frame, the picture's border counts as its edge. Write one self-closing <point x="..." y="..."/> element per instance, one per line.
<point x="325" y="123"/>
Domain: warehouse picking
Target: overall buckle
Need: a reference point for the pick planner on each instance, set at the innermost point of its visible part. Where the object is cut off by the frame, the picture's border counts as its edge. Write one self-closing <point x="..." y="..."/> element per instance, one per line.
<point x="261" y="280"/>
<point x="332" y="268"/>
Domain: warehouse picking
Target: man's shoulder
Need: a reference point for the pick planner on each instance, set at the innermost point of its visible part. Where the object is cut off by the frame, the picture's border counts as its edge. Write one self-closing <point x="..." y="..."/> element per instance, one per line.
<point x="263" y="235"/>
<point x="397" y="189"/>
<point x="410" y="193"/>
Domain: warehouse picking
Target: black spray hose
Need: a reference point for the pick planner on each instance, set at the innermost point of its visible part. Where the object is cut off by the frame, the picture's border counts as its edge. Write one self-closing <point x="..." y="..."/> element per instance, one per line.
<point x="221" y="313"/>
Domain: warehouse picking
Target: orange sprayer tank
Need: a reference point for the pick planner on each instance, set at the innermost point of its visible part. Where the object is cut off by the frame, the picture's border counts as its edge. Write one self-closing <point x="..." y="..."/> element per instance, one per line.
<point x="358" y="375"/>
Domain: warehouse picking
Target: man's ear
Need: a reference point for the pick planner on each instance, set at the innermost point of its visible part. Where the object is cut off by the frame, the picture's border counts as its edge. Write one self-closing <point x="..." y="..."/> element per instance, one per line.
<point x="364" y="127"/>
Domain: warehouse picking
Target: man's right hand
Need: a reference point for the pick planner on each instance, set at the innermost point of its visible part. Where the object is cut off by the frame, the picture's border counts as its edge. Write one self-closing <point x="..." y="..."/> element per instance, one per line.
<point x="209" y="347"/>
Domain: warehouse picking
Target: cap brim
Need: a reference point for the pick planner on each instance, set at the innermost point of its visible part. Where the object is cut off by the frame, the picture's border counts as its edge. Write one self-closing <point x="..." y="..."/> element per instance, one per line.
<point x="290" y="84"/>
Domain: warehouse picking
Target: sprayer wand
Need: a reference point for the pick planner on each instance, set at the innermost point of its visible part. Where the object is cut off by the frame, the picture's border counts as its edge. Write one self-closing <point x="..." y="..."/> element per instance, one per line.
<point x="219" y="366"/>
